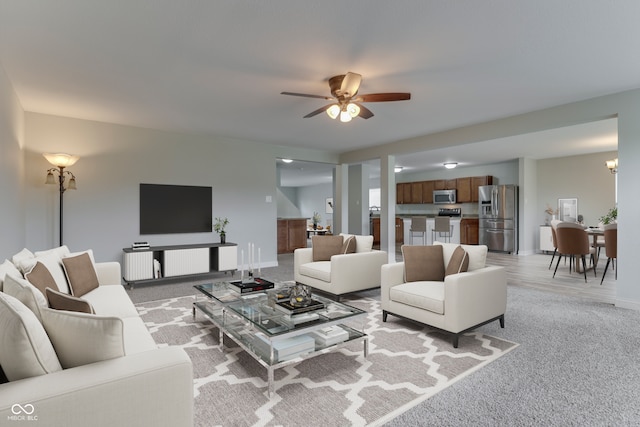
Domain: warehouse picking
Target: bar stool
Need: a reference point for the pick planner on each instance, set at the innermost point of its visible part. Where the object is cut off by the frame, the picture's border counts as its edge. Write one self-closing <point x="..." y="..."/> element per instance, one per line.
<point x="444" y="227"/>
<point x="419" y="225"/>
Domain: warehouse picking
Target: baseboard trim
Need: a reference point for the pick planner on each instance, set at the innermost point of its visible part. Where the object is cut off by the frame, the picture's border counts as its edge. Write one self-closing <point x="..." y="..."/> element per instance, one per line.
<point x="632" y="305"/>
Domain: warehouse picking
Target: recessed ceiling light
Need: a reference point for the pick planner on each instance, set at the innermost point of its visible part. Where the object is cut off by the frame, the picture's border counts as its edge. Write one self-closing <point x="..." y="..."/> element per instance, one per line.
<point x="397" y="169"/>
<point x="287" y="160"/>
<point x="450" y="165"/>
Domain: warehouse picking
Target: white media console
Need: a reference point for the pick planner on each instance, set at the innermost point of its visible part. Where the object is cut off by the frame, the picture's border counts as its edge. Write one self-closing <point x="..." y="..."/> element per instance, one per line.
<point x="158" y="263"/>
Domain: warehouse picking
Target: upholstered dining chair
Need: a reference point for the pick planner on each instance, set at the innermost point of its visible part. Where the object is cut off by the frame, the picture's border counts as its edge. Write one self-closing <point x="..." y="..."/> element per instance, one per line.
<point x="611" y="247"/>
<point x="573" y="241"/>
<point x="419" y="226"/>
<point x="554" y="224"/>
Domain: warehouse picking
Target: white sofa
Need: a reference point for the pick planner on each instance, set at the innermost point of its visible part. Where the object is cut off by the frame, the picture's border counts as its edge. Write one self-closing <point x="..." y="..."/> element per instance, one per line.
<point x="462" y="302"/>
<point x="343" y="274"/>
<point x="146" y="386"/>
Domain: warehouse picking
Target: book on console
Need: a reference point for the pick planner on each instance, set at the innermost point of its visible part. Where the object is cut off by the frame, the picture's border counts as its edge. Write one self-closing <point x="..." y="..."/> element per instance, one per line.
<point x="256" y="285"/>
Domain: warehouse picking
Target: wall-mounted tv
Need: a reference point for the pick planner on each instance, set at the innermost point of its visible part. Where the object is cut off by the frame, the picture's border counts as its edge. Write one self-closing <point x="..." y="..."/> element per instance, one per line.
<point x="166" y="209"/>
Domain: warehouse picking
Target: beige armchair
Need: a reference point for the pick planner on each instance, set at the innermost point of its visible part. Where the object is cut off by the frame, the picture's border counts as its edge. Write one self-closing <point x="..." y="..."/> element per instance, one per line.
<point x="343" y="273"/>
<point x="460" y="303"/>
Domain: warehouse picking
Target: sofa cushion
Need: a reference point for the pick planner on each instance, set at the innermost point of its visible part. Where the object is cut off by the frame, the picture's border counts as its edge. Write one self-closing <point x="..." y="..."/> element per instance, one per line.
<point x="51" y="260"/>
<point x="59" y="301"/>
<point x="26" y="293"/>
<point x="477" y="254"/>
<point x="111" y="300"/>
<point x="80" y="273"/>
<point x="81" y="338"/>
<point x="423" y="263"/>
<point x="324" y="247"/>
<point x="18" y="258"/>
<point x="363" y="243"/>
<point x="41" y="278"/>
<point x="7" y="267"/>
<point x="349" y="245"/>
<point x="25" y="348"/>
<point x="459" y="262"/>
<point x="320" y="270"/>
<point x="426" y="295"/>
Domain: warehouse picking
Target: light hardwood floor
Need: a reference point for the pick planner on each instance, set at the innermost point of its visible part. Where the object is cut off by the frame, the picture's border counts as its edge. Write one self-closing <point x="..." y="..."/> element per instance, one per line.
<point x="533" y="271"/>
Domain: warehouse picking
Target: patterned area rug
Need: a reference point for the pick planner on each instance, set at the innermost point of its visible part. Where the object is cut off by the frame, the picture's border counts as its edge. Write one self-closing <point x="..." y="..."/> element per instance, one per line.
<point x="406" y="365"/>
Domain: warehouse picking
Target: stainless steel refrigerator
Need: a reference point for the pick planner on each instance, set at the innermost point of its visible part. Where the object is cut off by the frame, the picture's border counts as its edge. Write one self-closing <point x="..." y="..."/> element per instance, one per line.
<point x="498" y="215"/>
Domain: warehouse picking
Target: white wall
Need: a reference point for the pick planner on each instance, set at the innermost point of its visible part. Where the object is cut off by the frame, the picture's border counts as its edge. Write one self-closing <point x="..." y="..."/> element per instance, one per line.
<point x="583" y="177"/>
<point x="312" y="198"/>
<point x="12" y="224"/>
<point x="103" y="213"/>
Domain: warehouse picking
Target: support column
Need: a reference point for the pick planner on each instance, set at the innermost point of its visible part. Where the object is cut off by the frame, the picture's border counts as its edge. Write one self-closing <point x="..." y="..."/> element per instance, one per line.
<point x="341" y="199"/>
<point x="388" y="208"/>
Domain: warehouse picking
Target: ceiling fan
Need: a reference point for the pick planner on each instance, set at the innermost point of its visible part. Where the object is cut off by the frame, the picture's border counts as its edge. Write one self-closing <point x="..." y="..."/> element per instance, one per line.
<point x="347" y="104"/>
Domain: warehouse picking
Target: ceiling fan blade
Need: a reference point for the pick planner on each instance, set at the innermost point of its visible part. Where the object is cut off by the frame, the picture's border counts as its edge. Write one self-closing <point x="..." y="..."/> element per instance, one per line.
<point x="384" y="97"/>
<point x="306" y="95"/>
<point x="365" y="113"/>
<point x="318" y="111"/>
<point x="350" y="84"/>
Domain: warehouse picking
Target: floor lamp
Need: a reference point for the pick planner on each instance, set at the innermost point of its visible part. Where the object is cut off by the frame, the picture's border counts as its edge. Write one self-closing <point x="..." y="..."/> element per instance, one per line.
<point x="61" y="161"/>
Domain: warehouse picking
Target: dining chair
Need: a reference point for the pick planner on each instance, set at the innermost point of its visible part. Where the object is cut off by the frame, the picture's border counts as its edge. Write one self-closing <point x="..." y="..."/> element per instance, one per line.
<point x="573" y="241"/>
<point x="611" y="247"/>
<point x="444" y="227"/>
<point x="554" y="224"/>
<point x="419" y="226"/>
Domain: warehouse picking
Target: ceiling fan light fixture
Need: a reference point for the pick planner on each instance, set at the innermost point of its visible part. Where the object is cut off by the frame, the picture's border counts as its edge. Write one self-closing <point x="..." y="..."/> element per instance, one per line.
<point x="450" y="165"/>
<point x="345" y="117"/>
<point x="353" y="109"/>
<point x="333" y="111"/>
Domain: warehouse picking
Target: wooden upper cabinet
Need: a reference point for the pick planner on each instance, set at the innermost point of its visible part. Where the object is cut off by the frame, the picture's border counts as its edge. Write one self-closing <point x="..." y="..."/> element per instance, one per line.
<point x="406" y="189"/>
<point x="439" y="184"/>
<point x="399" y="193"/>
<point x="464" y="193"/>
<point x="478" y="181"/>
<point x="416" y="192"/>
<point x="427" y="191"/>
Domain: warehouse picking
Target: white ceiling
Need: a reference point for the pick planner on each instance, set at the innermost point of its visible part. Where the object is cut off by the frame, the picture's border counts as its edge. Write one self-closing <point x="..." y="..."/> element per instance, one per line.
<point x="218" y="67"/>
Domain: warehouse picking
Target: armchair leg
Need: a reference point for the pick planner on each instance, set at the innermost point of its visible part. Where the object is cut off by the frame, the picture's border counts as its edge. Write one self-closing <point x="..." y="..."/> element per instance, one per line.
<point x="455" y="340"/>
<point x="501" y="319"/>
<point x="384" y="315"/>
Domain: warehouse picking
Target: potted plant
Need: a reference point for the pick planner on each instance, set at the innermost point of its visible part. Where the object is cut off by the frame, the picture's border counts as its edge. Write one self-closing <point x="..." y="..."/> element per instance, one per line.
<point x="219" y="226"/>
<point x="610" y="217"/>
<point x="316" y="219"/>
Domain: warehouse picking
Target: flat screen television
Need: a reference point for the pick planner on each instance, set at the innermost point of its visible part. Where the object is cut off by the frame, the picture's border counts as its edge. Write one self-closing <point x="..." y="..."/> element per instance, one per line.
<point x="166" y="209"/>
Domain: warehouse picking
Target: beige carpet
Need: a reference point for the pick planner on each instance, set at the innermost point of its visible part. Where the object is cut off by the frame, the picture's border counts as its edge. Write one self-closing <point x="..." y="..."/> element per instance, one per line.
<point x="406" y="365"/>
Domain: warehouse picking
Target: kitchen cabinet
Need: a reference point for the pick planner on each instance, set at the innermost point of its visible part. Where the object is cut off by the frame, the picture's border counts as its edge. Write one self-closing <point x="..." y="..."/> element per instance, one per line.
<point x="444" y="184"/>
<point x="427" y="191"/>
<point x="375" y="229"/>
<point x="406" y="190"/>
<point x="416" y="192"/>
<point x="464" y="193"/>
<point x="479" y="181"/>
<point x="292" y="234"/>
<point x="469" y="230"/>
<point x="400" y="193"/>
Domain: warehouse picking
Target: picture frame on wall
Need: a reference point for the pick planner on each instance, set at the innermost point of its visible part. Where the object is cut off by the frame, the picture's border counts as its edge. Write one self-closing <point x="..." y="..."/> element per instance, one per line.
<point x="568" y="209"/>
<point x="328" y="205"/>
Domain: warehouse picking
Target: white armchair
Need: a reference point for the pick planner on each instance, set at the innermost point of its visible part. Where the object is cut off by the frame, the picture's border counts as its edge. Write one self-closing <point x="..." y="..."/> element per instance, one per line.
<point x="462" y="302"/>
<point x="343" y="274"/>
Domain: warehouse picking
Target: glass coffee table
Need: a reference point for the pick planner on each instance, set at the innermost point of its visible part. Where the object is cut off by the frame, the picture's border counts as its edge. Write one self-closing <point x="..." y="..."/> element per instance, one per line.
<point x="271" y="336"/>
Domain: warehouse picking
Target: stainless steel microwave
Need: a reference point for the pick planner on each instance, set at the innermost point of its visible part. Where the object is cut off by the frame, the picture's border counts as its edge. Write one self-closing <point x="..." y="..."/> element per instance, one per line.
<point x="444" y="197"/>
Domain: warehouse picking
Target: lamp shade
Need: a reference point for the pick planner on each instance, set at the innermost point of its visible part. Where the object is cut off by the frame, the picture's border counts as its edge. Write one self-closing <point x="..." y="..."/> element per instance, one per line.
<point x="61" y="160"/>
<point x="333" y="111"/>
